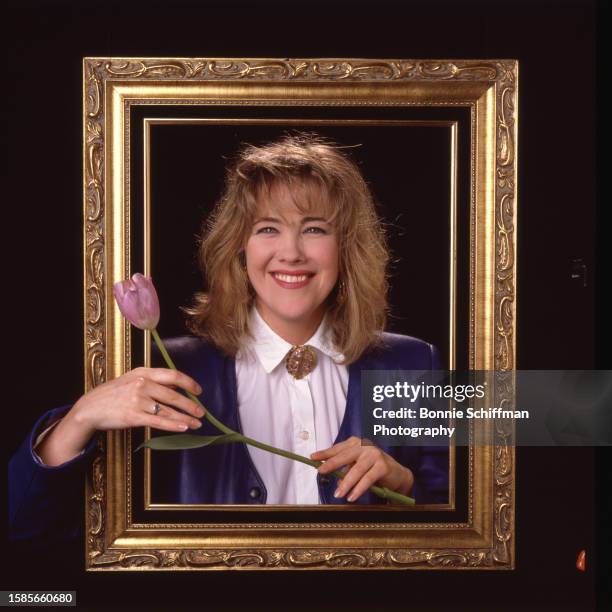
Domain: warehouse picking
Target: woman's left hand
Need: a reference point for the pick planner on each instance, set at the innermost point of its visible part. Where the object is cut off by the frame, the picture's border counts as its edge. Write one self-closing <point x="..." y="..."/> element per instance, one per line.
<point x="367" y="465"/>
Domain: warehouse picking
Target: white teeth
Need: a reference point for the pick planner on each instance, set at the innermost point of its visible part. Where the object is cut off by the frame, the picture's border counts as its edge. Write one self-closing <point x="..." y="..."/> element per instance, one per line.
<point x="286" y="278"/>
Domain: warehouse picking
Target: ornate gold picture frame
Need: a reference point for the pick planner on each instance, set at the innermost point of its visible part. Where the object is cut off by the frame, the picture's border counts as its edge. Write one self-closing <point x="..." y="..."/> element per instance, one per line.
<point x="475" y="530"/>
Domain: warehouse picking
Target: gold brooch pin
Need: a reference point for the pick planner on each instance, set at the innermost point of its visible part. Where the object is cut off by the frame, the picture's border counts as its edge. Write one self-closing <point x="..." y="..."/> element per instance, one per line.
<point x="301" y="361"/>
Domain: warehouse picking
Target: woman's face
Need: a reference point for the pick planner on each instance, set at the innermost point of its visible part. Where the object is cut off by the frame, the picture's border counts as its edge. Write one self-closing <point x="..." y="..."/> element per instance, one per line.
<point x="292" y="263"/>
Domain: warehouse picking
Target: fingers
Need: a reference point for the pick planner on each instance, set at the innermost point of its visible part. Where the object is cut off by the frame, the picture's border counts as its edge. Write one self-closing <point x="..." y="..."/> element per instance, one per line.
<point x="340" y="458"/>
<point x="367" y="466"/>
<point x="144" y="394"/>
<point x="165" y="376"/>
<point x="162" y="422"/>
<point x="360" y="478"/>
<point x="150" y="386"/>
<point x="322" y="455"/>
<point x="173" y="398"/>
<point x="139" y="413"/>
<point x="166" y="413"/>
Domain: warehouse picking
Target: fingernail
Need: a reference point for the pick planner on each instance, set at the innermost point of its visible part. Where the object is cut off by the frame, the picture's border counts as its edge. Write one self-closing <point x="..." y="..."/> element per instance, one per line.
<point x="198" y="389"/>
<point x="351" y="497"/>
<point x="200" y="412"/>
<point x="182" y="427"/>
<point x="196" y="424"/>
<point x="337" y="492"/>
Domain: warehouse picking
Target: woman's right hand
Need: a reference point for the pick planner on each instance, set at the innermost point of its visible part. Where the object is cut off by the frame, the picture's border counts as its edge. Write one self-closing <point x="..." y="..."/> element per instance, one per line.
<point x="127" y="401"/>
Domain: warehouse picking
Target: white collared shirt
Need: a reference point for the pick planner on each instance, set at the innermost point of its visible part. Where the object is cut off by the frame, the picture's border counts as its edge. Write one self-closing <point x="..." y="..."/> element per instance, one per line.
<point x="302" y="416"/>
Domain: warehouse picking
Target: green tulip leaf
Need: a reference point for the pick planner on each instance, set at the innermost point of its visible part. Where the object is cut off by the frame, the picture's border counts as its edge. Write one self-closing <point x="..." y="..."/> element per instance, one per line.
<point x="186" y="441"/>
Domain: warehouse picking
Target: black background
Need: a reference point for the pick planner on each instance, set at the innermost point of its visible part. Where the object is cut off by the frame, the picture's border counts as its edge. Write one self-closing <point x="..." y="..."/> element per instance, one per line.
<point x="561" y="493"/>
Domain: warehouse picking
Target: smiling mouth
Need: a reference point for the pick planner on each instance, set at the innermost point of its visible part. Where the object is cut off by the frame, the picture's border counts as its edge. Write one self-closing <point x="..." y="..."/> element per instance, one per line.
<point x="292" y="281"/>
<point x="291" y="278"/>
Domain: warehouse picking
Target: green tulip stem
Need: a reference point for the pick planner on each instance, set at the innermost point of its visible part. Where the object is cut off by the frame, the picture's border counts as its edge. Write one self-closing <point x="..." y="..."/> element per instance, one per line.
<point x="382" y="492"/>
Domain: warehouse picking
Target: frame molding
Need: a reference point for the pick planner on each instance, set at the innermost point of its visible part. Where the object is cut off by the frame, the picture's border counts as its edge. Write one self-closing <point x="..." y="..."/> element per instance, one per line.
<point x="489" y="88"/>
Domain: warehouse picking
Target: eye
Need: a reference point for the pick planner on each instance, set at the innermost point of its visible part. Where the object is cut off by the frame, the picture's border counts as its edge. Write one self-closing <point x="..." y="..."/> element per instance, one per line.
<point x="266" y="230"/>
<point x="313" y="229"/>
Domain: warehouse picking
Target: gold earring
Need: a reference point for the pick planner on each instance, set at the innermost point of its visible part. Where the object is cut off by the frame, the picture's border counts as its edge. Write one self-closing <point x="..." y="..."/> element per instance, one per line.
<point x="341" y="292"/>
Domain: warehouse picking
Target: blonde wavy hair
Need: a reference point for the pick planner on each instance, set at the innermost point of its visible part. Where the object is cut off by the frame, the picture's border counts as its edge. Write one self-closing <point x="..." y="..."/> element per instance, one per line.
<point x="310" y="166"/>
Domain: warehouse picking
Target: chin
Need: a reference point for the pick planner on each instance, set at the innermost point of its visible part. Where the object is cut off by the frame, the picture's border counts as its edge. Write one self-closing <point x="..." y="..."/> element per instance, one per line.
<point x="298" y="314"/>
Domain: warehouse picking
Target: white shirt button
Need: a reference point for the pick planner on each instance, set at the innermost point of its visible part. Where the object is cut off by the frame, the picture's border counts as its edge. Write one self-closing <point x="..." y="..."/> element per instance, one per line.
<point x="304" y="435"/>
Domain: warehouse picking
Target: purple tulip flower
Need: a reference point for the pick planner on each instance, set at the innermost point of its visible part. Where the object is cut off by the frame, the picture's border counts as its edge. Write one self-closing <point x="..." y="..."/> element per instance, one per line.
<point x="138" y="301"/>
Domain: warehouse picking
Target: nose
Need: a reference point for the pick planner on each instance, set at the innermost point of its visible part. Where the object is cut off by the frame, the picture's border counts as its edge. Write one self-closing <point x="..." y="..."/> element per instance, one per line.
<point x="291" y="248"/>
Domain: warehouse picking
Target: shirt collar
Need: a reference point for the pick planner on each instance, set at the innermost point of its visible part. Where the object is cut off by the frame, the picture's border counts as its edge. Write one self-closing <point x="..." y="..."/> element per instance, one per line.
<point x="271" y="349"/>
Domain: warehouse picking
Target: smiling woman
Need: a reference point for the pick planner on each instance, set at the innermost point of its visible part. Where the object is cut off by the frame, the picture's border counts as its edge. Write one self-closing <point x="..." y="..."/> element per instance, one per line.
<point x="296" y="264"/>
